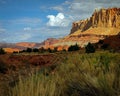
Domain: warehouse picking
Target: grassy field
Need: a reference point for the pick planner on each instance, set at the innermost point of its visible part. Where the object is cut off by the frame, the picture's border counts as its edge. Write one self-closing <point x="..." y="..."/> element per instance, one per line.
<point x="95" y="74"/>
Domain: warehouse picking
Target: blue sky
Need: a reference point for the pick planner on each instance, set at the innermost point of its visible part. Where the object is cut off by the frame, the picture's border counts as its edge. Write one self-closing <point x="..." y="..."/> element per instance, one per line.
<point x="37" y="20"/>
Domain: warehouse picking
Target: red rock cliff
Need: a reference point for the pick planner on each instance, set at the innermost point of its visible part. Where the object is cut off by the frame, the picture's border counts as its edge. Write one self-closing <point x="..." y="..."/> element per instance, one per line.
<point x="101" y="18"/>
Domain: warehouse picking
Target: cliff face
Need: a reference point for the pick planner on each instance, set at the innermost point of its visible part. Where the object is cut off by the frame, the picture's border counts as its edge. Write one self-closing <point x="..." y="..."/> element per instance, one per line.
<point x="105" y="18"/>
<point x="103" y="23"/>
<point x="49" y="43"/>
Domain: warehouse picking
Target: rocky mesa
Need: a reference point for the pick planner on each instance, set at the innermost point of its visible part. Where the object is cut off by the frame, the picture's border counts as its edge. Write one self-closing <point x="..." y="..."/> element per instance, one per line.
<point x="104" y="18"/>
<point x="102" y="23"/>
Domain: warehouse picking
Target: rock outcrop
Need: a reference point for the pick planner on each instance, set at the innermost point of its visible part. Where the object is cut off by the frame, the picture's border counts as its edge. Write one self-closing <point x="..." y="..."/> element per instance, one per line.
<point x="105" y="18"/>
<point x="49" y="43"/>
<point x="103" y="23"/>
<point x="113" y="42"/>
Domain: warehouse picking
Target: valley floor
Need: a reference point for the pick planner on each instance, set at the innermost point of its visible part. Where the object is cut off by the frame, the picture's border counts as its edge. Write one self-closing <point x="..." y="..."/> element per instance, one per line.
<point x="60" y="74"/>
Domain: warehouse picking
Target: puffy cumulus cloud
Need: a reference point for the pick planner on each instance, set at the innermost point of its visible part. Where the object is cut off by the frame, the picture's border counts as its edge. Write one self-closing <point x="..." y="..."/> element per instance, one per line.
<point x="59" y="20"/>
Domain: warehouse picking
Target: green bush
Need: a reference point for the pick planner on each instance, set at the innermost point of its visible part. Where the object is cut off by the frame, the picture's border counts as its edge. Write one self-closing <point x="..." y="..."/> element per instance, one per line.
<point x="105" y="46"/>
<point x="49" y="50"/>
<point x="73" y="47"/>
<point x="35" y="50"/>
<point x="3" y="66"/>
<point x="29" y="50"/>
<point x="90" y="48"/>
<point x="2" y="51"/>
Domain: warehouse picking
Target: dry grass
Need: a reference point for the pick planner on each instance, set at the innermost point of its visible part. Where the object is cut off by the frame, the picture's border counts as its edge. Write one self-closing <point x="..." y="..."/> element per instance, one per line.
<point x="96" y="74"/>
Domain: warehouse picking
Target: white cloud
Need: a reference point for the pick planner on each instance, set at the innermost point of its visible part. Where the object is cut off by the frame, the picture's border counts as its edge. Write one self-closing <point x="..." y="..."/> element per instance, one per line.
<point x="58" y="8"/>
<point x="59" y="20"/>
<point x="27" y="29"/>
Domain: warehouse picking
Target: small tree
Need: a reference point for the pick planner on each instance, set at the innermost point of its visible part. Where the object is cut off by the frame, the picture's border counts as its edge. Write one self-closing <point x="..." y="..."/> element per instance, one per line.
<point x="22" y="51"/>
<point x="49" y="50"/>
<point x="15" y="52"/>
<point x="42" y="50"/>
<point x="35" y="50"/>
<point x="3" y="66"/>
<point x="105" y="46"/>
<point x="2" y="51"/>
<point x="55" y="49"/>
<point x="73" y="47"/>
<point x="100" y="41"/>
<point x="29" y="50"/>
<point x="90" y="48"/>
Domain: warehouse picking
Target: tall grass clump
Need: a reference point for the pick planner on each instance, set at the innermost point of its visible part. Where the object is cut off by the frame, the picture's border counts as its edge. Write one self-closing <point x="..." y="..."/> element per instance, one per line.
<point x="95" y="74"/>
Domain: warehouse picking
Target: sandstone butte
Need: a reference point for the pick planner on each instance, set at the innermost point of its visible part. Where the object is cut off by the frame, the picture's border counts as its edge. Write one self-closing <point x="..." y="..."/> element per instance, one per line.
<point x="102" y="23"/>
<point x="26" y="44"/>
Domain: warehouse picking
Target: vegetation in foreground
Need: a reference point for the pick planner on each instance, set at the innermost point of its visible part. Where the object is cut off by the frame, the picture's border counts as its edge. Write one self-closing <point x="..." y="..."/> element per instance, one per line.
<point x="95" y="74"/>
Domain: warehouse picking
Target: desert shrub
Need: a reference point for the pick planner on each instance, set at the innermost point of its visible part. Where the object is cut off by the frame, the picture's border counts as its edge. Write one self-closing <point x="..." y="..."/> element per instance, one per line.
<point x="105" y="46"/>
<point x="55" y="49"/>
<point x="2" y="51"/>
<point x="100" y="41"/>
<point x="73" y="47"/>
<point x="3" y="66"/>
<point x="76" y="75"/>
<point x="42" y="50"/>
<point x="63" y="50"/>
<point x="89" y="48"/>
<point x="22" y="51"/>
<point x="15" y="52"/>
<point x="29" y="50"/>
<point x="35" y="50"/>
<point x="49" y="50"/>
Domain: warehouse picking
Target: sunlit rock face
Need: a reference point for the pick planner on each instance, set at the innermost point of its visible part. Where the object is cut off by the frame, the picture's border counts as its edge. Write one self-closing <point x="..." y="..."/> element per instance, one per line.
<point x="103" y="23"/>
<point x="105" y="18"/>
